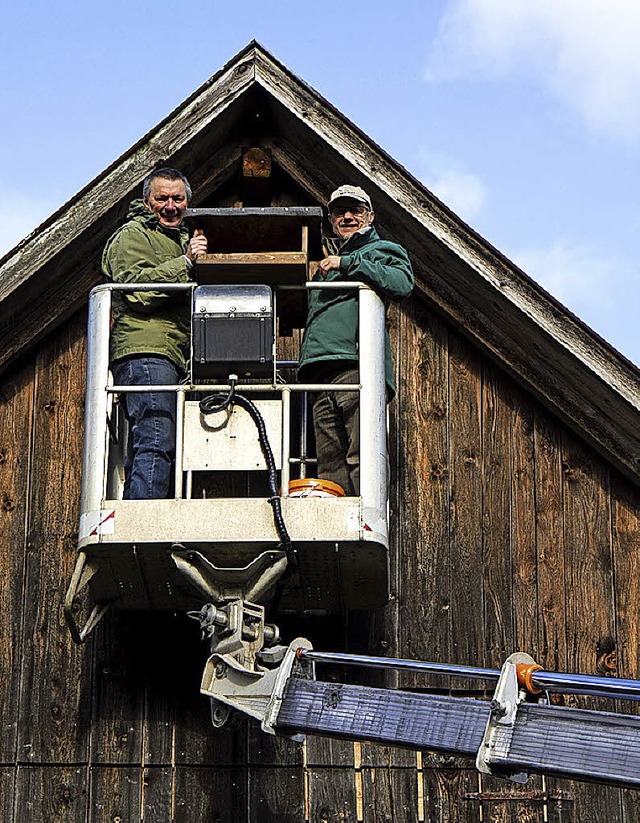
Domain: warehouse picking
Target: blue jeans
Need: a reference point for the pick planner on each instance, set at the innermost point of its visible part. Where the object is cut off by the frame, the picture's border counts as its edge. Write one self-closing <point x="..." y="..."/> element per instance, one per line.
<point x="152" y="420"/>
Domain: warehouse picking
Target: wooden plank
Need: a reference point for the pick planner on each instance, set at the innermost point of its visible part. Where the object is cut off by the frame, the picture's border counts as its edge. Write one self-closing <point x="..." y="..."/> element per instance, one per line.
<point x="55" y="678"/>
<point x="424" y="583"/>
<point x="51" y="794"/>
<point x="7" y="781"/>
<point x="178" y="718"/>
<point x="523" y="525"/>
<point x="276" y="794"/>
<point x="496" y="518"/>
<point x="16" y="409"/>
<point x="327" y="751"/>
<point x="626" y="559"/>
<point x="375" y="756"/>
<point x="552" y="651"/>
<point x="589" y="588"/>
<point x="277" y="268"/>
<point x="390" y="795"/>
<point x="157" y="794"/>
<point x="116" y="794"/>
<point x="449" y="795"/>
<point x="332" y="795"/>
<point x="466" y="562"/>
<point x="588" y="556"/>
<point x="266" y="750"/>
<point x="210" y="794"/>
<point x="118" y="691"/>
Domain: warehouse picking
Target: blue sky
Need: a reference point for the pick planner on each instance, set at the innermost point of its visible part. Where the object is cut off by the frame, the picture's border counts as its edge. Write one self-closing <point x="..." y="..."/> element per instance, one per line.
<point x="523" y="117"/>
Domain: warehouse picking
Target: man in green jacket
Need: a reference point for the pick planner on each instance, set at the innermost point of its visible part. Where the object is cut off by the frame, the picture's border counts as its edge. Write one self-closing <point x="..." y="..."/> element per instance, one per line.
<point x="150" y="337"/>
<point x="329" y="351"/>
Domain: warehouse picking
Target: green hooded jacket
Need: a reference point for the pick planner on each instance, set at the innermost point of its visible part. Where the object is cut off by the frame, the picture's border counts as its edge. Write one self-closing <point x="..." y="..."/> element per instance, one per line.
<point x="144" y="251"/>
<point x="331" y="334"/>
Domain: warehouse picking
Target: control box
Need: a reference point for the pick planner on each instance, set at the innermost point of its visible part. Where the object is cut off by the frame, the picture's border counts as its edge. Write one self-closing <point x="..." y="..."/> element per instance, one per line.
<point x="232" y="332"/>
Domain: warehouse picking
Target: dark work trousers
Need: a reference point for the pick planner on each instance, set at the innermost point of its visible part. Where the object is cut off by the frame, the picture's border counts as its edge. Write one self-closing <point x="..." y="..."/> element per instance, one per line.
<point x="152" y="420"/>
<point x="336" y="422"/>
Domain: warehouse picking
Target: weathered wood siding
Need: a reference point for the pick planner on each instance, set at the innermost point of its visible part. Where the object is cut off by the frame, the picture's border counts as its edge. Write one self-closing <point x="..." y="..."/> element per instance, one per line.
<point x="509" y="533"/>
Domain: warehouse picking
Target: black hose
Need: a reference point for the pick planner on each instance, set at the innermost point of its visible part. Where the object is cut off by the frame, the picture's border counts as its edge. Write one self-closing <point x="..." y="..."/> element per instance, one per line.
<point x="219" y="402"/>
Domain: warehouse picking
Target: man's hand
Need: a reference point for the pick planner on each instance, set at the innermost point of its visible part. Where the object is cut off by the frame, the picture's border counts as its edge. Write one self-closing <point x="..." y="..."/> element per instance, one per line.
<point x="197" y="245"/>
<point x="330" y="263"/>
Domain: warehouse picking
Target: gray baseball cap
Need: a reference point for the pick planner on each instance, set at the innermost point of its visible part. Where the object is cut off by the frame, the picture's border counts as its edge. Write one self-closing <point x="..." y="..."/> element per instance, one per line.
<point x="347" y="192"/>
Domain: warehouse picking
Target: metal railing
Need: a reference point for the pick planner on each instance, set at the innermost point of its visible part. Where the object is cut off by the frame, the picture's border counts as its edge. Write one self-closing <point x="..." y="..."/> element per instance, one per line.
<point x="100" y="394"/>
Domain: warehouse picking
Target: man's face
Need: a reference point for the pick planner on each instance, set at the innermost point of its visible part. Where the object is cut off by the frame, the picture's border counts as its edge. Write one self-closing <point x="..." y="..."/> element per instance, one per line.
<point x="349" y="216"/>
<point x="167" y="200"/>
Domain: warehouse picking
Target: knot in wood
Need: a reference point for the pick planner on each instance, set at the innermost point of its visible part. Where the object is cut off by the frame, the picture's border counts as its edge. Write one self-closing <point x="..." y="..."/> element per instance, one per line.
<point x="3" y="456"/>
<point x="50" y="406"/>
<point x="570" y="473"/>
<point x="8" y="505"/>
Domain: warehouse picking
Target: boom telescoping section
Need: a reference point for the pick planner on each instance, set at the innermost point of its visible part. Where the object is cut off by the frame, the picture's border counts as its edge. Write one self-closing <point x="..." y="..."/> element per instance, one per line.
<point x="216" y="539"/>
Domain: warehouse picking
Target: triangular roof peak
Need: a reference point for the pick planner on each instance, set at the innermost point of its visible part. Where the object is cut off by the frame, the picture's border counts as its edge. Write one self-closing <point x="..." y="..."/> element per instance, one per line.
<point x="256" y="98"/>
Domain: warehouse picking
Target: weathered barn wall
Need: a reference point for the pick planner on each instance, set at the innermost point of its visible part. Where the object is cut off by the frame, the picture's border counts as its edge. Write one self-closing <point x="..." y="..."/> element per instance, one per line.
<point x="509" y="534"/>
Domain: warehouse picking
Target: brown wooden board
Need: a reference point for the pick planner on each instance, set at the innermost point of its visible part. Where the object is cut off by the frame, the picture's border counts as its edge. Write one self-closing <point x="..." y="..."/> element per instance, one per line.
<point x="589" y="604"/>
<point x="51" y="794"/>
<point x="390" y="795"/>
<point x="213" y="795"/>
<point x="588" y="556"/>
<point x="374" y="756"/>
<point x="272" y="268"/>
<point x="16" y="408"/>
<point x="625" y="660"/>
<point x="7" y="781"/>
<point x="449" y="795"/>
<point x="118" y="691"/>
<point x="326" y="751"/>
<point x="55" y="684"/>
<point x="467" y="596"/>
<point x="552" y="652"/>
<point x="424" y="591"/>
<point x="332" y="796"/>
<point x="523" y="531"/>
<point x="496" y="518"/>
<point x="157" y="794"/>
<point x="178" y="726"/>
<point x="263" y="230"/>
<point x="267" y="750"/>
<point x="116" y="793"/>
<point x="276" y="794"/>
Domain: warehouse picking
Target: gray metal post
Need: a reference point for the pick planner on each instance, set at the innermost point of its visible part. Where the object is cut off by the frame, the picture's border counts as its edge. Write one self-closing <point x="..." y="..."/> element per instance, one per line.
<point x="373" y="436"/>
<point x="94" y="453"/>
<point x="286" y="442"/>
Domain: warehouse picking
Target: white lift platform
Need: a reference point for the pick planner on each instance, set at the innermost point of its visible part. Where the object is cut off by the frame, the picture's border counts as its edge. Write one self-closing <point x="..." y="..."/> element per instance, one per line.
<point x="211" y="542"/>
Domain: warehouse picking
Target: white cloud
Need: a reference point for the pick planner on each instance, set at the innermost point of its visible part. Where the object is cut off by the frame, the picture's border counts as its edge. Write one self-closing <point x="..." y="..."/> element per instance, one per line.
<point x="20" y="219"/>
<point x="460" y="190"/>
<point x="574" y="275"/>
<point x="585" y="51"/>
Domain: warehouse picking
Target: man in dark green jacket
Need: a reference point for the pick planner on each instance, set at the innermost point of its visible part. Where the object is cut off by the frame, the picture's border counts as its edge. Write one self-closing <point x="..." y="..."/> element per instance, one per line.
<point x="329" y="351"/>
<point x="150" y="338"/>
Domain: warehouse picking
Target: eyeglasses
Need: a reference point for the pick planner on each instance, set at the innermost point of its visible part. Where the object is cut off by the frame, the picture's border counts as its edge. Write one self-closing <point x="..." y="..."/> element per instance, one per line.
<point x="357" y="210"/>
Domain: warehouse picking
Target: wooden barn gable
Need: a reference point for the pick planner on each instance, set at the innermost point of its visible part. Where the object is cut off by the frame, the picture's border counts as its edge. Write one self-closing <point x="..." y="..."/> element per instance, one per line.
<point x="515" y="457"/>
<point x="255" y="100"/>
